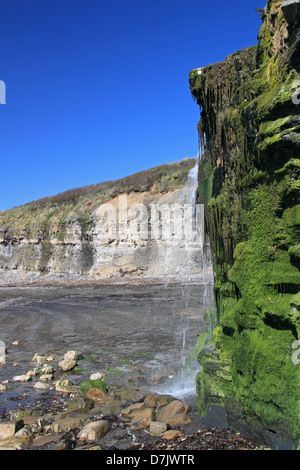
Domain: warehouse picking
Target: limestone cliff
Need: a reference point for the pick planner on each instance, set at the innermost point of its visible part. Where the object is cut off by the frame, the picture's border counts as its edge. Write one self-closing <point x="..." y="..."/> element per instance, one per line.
<point x="112" y="229"/>
<point x="249" y="182"/>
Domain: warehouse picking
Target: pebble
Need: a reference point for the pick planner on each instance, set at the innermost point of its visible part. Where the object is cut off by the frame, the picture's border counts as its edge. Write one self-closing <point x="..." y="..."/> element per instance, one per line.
<point x="118" y="414"/>
<point x="41" y="386"/>
<point x="21" y="378"/>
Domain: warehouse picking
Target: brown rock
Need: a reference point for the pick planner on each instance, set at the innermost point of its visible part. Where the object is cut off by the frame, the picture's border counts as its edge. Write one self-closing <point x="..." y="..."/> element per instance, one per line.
<point x="154" y="400"/>
<point x="94" y="431"/>
<point x="142" y="419"/>
<point x="146" y="415"/>
<point x="132" y="410"/>
<point x="8" y="430"/>
<point x="174" y="408"/>
<point x="15" y="443"/>
<point x="171" y="434"/>
<point x="97" y="395"/>
<point x="179" y="419"/>
<point x="67" y="364"/>
<point x="72" y="421"/>
<point x="41" y="441"/>
<point x="157" y="428"/>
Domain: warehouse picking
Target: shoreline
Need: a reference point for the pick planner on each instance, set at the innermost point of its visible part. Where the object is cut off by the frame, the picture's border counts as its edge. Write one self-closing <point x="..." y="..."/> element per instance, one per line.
<point x="95" y="416"/>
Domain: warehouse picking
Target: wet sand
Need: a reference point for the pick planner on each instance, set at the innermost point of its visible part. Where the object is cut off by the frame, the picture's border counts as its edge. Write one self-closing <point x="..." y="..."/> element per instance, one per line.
<point x="141" y="333"/>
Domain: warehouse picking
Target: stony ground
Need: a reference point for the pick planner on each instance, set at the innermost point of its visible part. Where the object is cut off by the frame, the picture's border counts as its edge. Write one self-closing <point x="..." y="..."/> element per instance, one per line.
<point x="94" y="416"/>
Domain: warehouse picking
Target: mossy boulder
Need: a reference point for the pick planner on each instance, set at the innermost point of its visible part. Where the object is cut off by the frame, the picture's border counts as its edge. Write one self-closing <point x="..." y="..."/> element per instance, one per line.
<point x="89" y="384"/>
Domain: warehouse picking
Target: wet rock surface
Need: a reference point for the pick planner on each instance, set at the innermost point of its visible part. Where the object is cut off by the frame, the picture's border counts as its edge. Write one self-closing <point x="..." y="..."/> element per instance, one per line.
<point x="125" y="344"/>
<point x="118" y="418"/>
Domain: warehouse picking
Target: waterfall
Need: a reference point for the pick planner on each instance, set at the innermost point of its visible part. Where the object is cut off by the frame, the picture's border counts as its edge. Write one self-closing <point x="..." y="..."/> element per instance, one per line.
<point x="184" y="383"/>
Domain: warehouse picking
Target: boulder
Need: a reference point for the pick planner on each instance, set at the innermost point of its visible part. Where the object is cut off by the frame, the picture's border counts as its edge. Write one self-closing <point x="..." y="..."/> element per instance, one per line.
<point x="142" y="419"/>
<point x="39" y="359"/>
<point x="171" y="434"/>
<point x="67" y="364"/>
<point x="97" y="395"/>
<point x="88" y="384"/>
<point x="97" y="376"/>
<point x="94" y="431"/>
<point x="154" y="400"/>
<point x="15" y="443"/>
<point x="131" y="411"/>
<point x="157" y="428"/>
<point x="41" y="386"/>
<point x="9" y="429"/>
<point x="174" y="408"/>
<point x="21" y="378"/>
<point x="73" y="356"/>
<point x="82" y="404"/>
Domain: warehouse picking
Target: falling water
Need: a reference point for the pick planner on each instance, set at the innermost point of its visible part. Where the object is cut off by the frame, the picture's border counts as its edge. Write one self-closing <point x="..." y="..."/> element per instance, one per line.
<point x="183" y="384"/>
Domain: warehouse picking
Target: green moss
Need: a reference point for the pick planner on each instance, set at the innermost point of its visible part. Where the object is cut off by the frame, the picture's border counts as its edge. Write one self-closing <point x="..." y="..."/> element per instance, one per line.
<point x="88" y="384"/>
<point x="250" y="183"/>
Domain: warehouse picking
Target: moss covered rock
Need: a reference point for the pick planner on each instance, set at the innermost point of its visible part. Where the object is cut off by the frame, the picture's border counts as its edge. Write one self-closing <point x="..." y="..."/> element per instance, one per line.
<point x="89" y="384"/>
<point x="249" y="183"/>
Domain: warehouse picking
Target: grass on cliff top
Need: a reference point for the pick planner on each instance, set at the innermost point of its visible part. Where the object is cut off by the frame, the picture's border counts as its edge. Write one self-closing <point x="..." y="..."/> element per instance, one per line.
<point x="165" y="177"/>
<point x="83" y="200"/>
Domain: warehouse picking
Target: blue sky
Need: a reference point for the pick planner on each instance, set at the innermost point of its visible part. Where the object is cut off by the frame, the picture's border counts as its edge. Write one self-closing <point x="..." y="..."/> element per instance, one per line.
<point x="97" y="90"/>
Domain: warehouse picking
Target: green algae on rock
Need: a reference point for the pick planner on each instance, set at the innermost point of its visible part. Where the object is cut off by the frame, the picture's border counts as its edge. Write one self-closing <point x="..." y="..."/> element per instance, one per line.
<point x="249" y="183"/>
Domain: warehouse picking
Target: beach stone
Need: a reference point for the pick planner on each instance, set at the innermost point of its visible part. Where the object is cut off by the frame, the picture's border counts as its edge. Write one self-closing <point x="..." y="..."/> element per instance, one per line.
<point x="174" y="408"/>
<point x="47" y="369"/>
<point x="171" y="434"/>
<point x="41" y="441"/>
<point x="157" y="428"/>
<point x="9" y="429"/>
<point x="39" y="359"/>
<point x="46" y="377"/>
<point x="66" y="386"/>
<point x="21" y="378"/>
<point x="97" y="376"/>
<point x="41" y="386"/>
<point x="97" y="395"/>
<point x="73" y="356"/>
<point x="132" y="410"/>
<point x="71" y="421"/>
<point x="15" y="443"/>
<point x="33" y="372"/>
<point x="155" y="400"/>
<point x="143" y="418"/>
<point x="179" y="420"/>
<point x="25" y="431"/>
<point x="94" y="431"/>
<point x="67" y="364"/>
<point x="82" y="404"/>
<point x="128" y="395"/>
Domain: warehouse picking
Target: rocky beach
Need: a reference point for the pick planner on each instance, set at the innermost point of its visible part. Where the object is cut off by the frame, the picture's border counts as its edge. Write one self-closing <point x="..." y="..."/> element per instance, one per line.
<point x="115" y="392"/>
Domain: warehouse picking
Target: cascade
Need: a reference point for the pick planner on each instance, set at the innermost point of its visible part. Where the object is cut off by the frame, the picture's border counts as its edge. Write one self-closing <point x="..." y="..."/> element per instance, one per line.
<point x="183" y="384"/>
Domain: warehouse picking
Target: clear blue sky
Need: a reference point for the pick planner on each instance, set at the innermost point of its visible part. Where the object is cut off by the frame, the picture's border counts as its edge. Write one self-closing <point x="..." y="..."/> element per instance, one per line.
<point x="97" y="90"/>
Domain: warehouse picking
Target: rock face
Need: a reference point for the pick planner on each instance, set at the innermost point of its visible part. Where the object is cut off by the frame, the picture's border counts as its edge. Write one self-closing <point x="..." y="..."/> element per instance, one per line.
<point x="249" y="183"/>
<point x="117" y="229"/>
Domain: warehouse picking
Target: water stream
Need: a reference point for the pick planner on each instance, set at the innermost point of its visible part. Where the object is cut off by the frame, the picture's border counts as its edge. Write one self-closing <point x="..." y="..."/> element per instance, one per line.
<point x="183" y="384"/>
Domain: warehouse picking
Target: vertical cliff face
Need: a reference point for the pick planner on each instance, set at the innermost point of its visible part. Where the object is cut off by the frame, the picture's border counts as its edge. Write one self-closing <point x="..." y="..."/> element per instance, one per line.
<point x="249" y="182"/>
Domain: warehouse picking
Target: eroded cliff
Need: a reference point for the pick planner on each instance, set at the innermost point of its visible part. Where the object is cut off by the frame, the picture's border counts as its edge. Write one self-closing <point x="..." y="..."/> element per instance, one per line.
<point x="113" y="229"/>
<point x="249" y="182"/>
